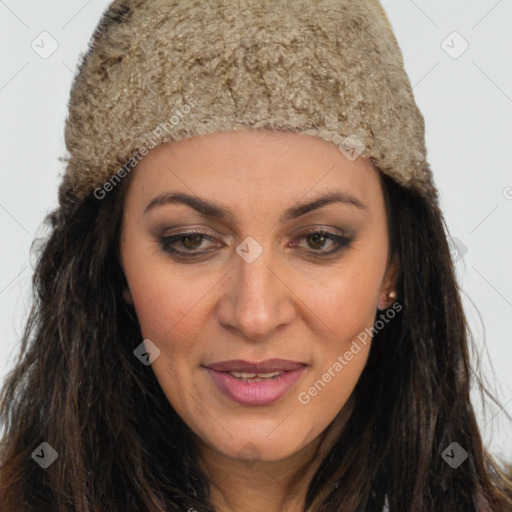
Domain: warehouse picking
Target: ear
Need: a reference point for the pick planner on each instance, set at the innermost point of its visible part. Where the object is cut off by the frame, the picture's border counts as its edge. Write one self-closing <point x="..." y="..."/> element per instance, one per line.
<point x="127" y="296"/>
<point x="388" y="293"/>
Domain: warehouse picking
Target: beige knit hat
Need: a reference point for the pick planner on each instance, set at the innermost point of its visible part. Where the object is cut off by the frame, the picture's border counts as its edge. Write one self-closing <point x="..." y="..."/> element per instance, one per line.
<point x="164" y="70"/>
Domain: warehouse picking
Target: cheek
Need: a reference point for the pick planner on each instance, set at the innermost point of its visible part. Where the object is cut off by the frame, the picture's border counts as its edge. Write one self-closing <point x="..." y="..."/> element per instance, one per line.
<point x="171" y="312"/>
<point x="345" y="302"/>
<point x="345" y="306"/>
<point x="167" y="308"/>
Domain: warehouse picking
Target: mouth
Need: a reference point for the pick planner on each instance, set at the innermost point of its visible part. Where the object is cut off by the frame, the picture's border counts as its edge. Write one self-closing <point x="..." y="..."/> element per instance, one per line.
<point x="250" y="383"/>
<point x="263" y="367"/>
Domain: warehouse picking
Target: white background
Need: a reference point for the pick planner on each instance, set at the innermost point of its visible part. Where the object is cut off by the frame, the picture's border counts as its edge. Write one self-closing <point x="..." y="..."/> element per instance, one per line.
<point x="466" y="102"/>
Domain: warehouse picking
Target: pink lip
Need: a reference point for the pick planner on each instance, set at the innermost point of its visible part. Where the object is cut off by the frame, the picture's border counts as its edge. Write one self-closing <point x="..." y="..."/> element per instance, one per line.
<point x="262" y="392"/>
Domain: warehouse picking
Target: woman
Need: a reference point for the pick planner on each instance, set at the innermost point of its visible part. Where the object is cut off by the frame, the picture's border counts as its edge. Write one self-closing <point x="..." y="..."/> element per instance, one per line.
<point x="247" y="299"/>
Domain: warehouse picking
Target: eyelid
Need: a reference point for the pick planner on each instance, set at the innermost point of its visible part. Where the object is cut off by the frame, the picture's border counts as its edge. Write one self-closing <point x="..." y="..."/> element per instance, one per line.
<point x="188" y="231"/>
<point x="319" y="227"/>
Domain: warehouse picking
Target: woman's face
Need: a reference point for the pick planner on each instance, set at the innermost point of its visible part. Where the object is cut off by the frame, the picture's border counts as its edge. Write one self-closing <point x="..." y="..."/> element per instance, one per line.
<point x="270" y="271"/>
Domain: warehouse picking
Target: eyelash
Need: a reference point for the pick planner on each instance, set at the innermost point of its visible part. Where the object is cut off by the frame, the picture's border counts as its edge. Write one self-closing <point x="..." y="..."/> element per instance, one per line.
<point x="166" y="242"/>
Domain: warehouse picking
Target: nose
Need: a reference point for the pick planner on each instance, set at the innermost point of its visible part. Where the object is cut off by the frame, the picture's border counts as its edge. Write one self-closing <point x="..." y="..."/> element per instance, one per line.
<point x="256" y="297"/>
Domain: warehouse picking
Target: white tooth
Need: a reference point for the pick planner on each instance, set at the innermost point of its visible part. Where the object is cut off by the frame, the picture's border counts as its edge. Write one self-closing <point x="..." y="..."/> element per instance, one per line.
<point x="267" y="375"/>
<point x="243" y="375"/>
<point x="247" y="375"/>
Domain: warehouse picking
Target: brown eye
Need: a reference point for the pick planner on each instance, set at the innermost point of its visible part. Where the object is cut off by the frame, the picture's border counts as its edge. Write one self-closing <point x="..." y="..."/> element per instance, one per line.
<point x="317" y="240"/>
<point x="191" y="242"/>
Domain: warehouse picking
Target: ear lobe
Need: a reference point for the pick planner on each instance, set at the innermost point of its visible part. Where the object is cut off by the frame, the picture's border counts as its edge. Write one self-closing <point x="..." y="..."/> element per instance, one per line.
<point x="127" y="296"/>
<point x="388" y="294"/>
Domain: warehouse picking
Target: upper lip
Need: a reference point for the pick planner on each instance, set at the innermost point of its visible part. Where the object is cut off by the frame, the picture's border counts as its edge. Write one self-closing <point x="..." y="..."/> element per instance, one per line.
<point x="267" y="366"/>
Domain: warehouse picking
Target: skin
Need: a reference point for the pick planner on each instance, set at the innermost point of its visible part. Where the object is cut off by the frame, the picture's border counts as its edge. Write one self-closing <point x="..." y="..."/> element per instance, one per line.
<point x="290" y="302"/>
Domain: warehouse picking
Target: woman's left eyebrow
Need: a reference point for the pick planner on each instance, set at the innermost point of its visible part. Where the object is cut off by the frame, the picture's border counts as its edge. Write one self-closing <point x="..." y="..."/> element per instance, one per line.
<point x="211" y="209"/>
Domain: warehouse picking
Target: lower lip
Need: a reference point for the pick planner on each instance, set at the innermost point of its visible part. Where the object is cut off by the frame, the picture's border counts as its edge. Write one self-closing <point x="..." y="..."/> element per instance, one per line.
<point x="261" y="392"/>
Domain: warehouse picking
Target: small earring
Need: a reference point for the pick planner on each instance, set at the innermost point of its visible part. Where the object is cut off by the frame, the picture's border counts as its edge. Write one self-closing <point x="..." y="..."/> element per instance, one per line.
<point x="391" y="295"/>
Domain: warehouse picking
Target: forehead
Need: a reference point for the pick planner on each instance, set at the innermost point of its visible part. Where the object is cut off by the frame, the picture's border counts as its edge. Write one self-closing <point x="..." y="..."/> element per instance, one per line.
<point x="251" y="165"/>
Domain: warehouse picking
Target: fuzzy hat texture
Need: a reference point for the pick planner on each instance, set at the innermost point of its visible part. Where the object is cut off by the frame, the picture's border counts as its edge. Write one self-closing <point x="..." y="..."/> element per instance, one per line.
<point x="164" y="70"/>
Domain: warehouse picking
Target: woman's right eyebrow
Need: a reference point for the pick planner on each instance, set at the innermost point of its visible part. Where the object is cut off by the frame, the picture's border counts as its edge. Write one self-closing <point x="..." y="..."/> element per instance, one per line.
<point x="209" y="208"/>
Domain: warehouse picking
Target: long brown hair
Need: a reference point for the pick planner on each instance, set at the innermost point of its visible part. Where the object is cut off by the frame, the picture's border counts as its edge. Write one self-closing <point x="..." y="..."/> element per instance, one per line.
<point x="78" y="386"/>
